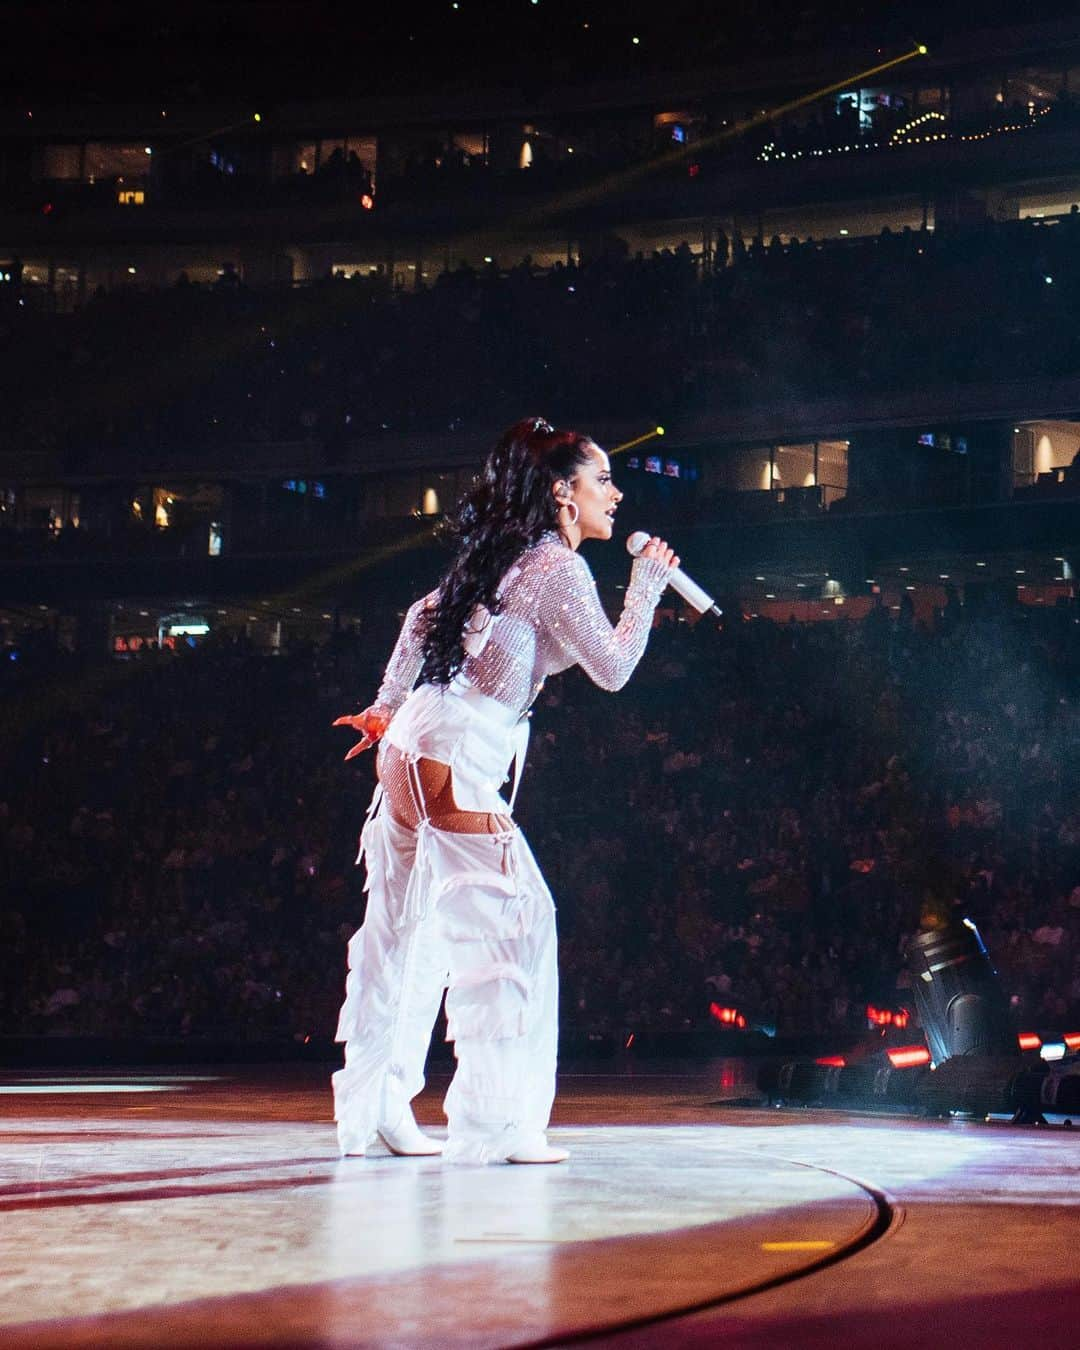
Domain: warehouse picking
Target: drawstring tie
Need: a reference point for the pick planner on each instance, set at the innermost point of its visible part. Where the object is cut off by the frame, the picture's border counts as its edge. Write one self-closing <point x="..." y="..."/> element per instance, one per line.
<point x="509" y="864"/>
<point x="419" y="893"/>
<point x="369" y="826"/>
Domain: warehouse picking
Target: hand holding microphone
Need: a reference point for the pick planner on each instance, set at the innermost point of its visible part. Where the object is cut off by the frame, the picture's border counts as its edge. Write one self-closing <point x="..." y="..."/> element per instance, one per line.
<point x="656" y="548"/>
<point x="642" y="545"/>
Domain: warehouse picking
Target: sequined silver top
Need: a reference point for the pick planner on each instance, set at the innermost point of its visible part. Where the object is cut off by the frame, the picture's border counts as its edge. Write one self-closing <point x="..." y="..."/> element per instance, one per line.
<point x="550" y="619"/>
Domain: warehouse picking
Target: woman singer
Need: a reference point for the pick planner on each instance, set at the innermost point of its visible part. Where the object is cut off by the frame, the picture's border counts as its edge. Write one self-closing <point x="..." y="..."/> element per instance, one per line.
<point x="455" y="898"/>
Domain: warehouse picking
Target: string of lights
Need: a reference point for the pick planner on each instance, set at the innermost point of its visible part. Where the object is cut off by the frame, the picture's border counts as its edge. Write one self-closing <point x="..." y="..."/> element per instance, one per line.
<point x="903" y="137"/>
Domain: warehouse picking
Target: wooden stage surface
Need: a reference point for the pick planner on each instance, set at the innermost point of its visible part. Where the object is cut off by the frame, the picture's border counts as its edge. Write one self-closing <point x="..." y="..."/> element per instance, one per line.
<point x="208" y="1207"/>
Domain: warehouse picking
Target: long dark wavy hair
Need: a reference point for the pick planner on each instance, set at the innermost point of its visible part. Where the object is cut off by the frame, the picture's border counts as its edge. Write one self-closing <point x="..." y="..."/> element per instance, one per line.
<point x="511" y="504"/>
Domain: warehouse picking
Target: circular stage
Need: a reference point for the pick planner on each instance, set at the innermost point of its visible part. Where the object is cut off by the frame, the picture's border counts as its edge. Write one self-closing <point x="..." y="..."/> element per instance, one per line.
<point x="210" y="1208"/>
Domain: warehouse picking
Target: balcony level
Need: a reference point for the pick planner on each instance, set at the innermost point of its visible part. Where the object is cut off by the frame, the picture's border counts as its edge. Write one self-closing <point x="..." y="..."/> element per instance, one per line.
<point x="963" y="132"/>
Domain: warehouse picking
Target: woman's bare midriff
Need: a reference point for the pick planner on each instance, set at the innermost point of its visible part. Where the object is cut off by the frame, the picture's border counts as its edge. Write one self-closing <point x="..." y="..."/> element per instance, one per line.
<point x="403" y="780"/>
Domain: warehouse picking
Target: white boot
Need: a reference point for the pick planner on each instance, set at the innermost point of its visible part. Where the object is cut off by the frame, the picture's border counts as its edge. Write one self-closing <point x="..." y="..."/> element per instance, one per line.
<point x="350" y="1145"/>
<point x="539" y="1151"/>
<point x="405" y="1138"/>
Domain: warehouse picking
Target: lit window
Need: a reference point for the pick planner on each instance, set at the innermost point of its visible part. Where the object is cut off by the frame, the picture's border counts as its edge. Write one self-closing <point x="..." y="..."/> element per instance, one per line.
<point x="103" y="160"/>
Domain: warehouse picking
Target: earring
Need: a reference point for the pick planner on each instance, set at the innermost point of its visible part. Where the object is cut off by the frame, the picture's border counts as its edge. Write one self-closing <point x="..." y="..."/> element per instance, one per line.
<point x="572" y="507"/>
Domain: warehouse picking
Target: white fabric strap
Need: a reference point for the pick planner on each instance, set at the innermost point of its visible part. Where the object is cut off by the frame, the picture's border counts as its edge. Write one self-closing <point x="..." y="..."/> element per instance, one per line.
<point x="376" y="798"/>
<point x="521" y="746"/>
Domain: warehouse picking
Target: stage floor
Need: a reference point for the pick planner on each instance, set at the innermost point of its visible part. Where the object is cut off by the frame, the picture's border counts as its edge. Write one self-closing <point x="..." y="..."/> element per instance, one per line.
<point x="209" y="1207"/>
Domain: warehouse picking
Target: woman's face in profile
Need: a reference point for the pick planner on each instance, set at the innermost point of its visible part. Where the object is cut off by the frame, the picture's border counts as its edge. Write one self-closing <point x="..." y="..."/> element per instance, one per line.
<point x="595" y="495"/>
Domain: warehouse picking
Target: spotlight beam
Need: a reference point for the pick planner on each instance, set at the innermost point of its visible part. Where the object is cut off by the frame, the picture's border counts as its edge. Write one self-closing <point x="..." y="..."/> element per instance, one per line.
<point x="638" y="440"/>
<point x="585" y="196"/>
<point x="162" y="380"/>
<point x="205" y="136"/>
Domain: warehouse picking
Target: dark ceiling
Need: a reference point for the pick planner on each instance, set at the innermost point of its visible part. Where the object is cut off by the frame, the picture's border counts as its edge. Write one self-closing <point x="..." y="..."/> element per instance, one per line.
<point x="281" y="50"/>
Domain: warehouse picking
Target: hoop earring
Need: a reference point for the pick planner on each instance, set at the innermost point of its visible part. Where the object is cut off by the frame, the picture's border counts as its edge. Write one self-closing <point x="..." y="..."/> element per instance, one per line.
<point x="572" y="506"/>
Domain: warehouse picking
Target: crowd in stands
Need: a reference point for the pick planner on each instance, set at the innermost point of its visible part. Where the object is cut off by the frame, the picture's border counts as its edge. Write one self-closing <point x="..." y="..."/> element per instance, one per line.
<point x="189" y="369"/>
<point x="746" y="824"/>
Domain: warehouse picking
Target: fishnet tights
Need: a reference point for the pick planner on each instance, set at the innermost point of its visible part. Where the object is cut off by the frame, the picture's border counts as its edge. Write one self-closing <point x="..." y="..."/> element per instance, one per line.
<point x="434" y="783"/>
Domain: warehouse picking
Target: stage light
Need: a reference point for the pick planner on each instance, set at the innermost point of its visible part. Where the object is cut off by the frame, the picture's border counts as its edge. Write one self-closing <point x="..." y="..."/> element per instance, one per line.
<point x="1027" y="1040"/>
<point x="258" y="117"/>
<point x="908" y="1056"/>
<point x="960" y="1004"/>
<point x="921" y="49"/>
<point x="660" y="432"/>
<point x="971" y="1084"/>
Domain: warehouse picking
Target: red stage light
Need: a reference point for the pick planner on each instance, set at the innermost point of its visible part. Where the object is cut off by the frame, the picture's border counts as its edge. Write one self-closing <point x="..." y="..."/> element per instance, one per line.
<point x="367" y="201"/>
<point x="729" y="1017"/>
<point x="831" y="1061"/>
<point x="1029" y="1041"/>
<point x="908" y="1056"/>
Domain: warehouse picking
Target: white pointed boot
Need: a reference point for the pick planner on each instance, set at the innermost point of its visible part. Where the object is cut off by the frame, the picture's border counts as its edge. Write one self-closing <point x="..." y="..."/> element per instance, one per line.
<point x="539" y="1151"/>
<point x="398" y="1128"/>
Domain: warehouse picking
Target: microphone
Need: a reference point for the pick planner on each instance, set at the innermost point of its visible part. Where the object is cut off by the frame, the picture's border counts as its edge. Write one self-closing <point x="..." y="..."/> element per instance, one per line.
<point x="690" y="591"/>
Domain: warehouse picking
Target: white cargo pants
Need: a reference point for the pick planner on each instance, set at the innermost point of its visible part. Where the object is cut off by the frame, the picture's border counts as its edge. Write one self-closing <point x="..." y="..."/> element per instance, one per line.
<point x="472" y="914"/>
